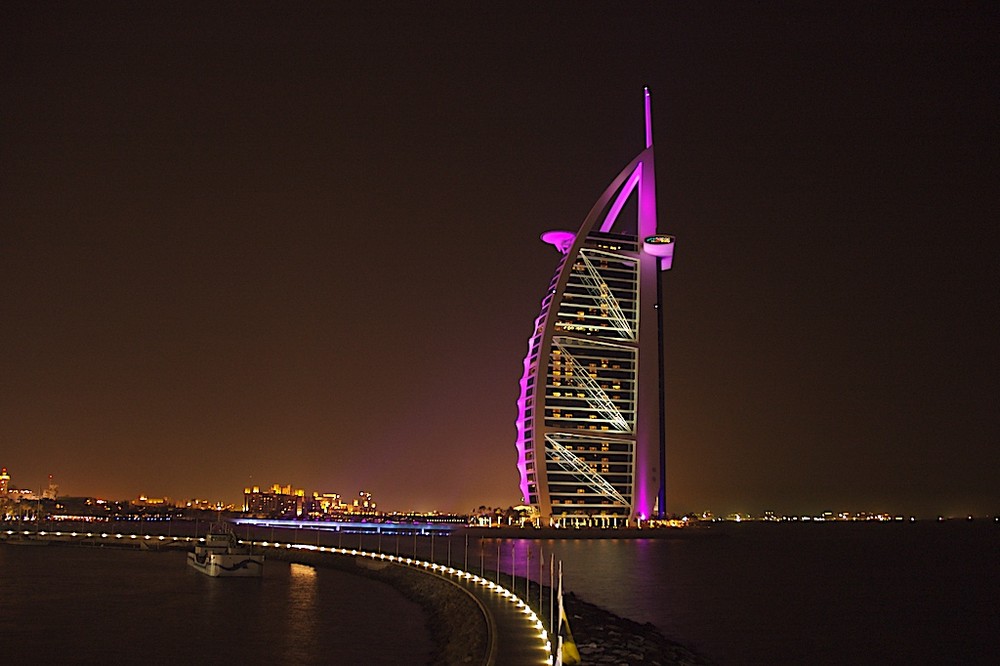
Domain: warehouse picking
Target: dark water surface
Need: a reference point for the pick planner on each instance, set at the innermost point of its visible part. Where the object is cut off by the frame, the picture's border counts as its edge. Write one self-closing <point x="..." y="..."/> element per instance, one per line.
<point x="109" y="606"/>
<point x="830" y="593"/>
<point x="751" y="593"/>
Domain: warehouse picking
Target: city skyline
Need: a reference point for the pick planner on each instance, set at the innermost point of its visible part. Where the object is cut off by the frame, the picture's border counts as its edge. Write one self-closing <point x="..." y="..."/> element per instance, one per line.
<point x="298" y="243"/>
<point x="289" y="502"/>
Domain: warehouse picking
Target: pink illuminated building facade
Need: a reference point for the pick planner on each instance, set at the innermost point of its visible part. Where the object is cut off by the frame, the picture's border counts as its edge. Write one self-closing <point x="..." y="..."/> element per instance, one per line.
<point x="590" y="415"/>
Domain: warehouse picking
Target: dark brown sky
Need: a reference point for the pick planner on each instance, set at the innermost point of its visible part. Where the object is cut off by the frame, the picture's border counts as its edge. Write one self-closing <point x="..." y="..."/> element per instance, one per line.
<point x="298" y="243"/>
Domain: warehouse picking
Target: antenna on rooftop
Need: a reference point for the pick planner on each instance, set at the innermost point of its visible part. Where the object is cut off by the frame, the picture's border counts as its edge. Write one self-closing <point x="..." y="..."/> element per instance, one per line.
<point x="649" y="119"/>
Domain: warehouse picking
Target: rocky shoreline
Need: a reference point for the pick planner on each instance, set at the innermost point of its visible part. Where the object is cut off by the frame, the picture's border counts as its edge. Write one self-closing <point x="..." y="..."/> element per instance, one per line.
<point x="605" y="638"/>
<point x="459" y="635"/>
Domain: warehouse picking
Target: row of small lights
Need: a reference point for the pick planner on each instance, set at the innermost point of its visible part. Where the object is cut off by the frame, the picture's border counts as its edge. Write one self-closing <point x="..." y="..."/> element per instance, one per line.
<point x="512" y="598"/>
<point x="103" y="535"/>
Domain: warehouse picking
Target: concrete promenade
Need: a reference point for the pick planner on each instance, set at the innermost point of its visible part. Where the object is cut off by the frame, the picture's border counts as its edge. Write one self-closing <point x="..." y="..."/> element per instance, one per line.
<point x="516" y="636"/>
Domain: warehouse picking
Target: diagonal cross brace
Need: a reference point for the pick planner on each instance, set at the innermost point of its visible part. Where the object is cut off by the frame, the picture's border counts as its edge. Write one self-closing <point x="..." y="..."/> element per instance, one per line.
<point x="571" y="463"/>
<point x="595" y="395"/>
<point x="599" y="289"/>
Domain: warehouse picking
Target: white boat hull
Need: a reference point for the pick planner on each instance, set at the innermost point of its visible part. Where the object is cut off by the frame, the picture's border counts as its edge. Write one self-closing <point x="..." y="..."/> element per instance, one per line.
<point x="221" y="554"/>
<point x="242" y="565"/>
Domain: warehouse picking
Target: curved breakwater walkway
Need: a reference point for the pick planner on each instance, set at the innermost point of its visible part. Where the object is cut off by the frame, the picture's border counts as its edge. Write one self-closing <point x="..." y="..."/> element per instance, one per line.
<point x="514" y="634"/>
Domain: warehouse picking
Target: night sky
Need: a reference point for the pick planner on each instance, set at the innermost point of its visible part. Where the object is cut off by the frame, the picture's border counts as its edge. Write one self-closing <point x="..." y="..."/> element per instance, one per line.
<point x="298" y="243"/>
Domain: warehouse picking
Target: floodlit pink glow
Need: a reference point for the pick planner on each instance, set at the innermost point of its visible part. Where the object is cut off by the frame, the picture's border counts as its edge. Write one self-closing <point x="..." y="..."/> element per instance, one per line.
<point x="639" y="173"/>
<point x="522" y="406"/>
<point x="649" y="121"/>
<point x="622" y="197"/>
<point x="662" y="247"/>
<point x="562" y="240"/>
<point x="646" y="423"/>
<point x="647" y="203"/>
<point x="658" y="246"/>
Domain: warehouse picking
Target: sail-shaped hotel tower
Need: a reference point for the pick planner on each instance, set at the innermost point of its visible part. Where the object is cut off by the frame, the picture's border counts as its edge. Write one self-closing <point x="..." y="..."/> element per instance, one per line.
<point x="590" y="436"/>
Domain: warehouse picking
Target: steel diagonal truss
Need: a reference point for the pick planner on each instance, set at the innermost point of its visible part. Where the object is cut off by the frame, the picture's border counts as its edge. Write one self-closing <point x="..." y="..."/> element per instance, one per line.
<point x="566" y="459"/>
<point x="599" y="289"/>
<point x="595" y="395"/>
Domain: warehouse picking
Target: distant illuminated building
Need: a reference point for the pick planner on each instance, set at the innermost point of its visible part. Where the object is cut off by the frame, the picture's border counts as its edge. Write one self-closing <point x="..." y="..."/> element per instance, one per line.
<point x="278" y="502"/>
<point x="207" y="505"/>
<point x="4" y="483"/>
<point x="52" y="491"/>
<point x="145" y="501"/>
<point x="590" y="412"/>
<point x="326" y="504"/>
<point x="363" y="504"/>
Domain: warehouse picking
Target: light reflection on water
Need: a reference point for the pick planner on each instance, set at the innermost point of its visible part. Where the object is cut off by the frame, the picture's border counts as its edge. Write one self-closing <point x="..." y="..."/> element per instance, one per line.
<point x="816" y="594"/>
<point x="752" y="593"/>
<point x="301" y="614"/>
<point x="118" y="606"/>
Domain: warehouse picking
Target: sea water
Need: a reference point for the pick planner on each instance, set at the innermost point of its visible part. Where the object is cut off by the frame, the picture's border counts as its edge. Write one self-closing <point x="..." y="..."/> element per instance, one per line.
<point x="750" y="593"/>
<point x="80" y="605"/>
<point x="823" y="593"/>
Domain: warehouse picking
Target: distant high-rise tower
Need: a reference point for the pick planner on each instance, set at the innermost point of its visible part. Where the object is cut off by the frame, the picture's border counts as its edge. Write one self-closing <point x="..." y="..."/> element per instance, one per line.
<point x="52" y="492"/>
<point x="4" y="483"/>
<point x="590" y="436"/>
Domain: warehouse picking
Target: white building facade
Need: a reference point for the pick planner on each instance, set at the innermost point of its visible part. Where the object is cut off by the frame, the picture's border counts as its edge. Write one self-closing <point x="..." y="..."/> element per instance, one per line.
<point x="590" y="414"/>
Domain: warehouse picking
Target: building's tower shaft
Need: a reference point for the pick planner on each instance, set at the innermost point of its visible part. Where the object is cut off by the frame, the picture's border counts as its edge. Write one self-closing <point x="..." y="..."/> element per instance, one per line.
<point x="590" y="410"/>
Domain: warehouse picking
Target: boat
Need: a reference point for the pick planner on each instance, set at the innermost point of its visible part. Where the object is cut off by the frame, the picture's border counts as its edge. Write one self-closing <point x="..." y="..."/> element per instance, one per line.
<point x="223" y="555"/>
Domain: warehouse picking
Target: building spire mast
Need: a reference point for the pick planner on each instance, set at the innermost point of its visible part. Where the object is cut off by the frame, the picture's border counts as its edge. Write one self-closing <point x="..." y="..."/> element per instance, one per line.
<point x="649" y="119"/>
